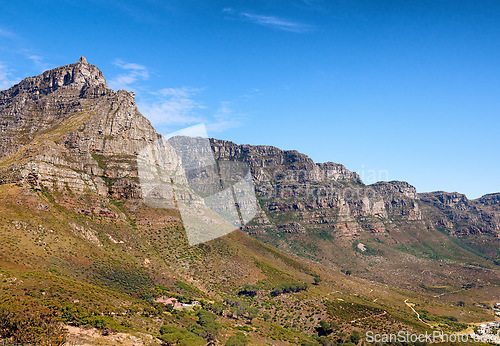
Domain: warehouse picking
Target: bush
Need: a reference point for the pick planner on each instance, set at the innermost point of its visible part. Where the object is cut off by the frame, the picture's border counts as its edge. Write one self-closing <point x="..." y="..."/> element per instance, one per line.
<point x="249" y="290"/>
<point x="218" y="308"/>
<point x="175" y="336"/>
<point x="326" y="328"/>
<point x="189" y="289"/>
<point x="30" y="323"/>
<point x="99" y="322"/>
<point x="131" y="279"/>
<point x="317" y="279"/>
<point x="287" y="288"/>
<point x="355" y="337"/>
<point x="239" y="339"/>
<point x="80" y="316"/>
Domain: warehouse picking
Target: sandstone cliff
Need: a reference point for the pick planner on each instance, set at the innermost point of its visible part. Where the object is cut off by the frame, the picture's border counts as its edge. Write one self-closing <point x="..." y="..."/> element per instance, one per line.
<point x="66" y="130"/>
<point x="458" y="215"/>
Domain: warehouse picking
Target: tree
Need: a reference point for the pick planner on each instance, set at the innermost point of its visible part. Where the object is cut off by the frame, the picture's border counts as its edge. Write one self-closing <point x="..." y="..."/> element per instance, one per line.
<point x="252" y="313"/>
<point x="289" y="287"/>
<point x="266" y="316"/>
<point x="249" y="290"/>
<point x="317" y="279"/>
<point x="325" y="328"/>
<point x="355" y="337"/>
<point x="218" y="308"/>
<point x="175" y="336"/>
<point x="208" y="324"/>
<point x="325" y="341"/>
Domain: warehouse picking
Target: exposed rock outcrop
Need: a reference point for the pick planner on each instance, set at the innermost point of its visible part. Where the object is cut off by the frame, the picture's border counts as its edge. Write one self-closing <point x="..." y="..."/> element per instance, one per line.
<point x="70" y="131"/>
<point x="400" y="198"/>
<point x="458" y="214"/>
<point x="489" y="199"/>
<point x="66" y="130"/>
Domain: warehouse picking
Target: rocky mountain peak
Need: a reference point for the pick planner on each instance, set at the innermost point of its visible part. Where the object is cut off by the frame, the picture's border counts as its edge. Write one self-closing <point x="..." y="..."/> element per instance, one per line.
<point x="66" y="120"/>
<point x="82" y="77"/>
<point x="395" y="187"/>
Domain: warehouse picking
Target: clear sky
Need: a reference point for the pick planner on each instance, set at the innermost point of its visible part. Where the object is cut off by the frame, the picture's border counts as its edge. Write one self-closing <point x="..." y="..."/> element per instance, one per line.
<point x="395" y="90"/>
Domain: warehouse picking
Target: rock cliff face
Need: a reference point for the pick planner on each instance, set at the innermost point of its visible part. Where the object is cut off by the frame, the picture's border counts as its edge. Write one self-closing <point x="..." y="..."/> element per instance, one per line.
<point x="492" y="199"/>
<point x="66" y="130"/>
<point x="384" y="231"/>
<point x="400" y="199"/>
<point x="327" y="193"/>
<point x="34" y="105"/>
<point x="490" y="205"/>
<point x="289" y="164"/>
<point x="458" y="215"/>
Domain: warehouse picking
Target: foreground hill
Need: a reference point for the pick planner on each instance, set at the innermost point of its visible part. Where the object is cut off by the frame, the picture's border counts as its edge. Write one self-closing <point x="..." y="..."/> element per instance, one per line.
<point x="79" y="246"/>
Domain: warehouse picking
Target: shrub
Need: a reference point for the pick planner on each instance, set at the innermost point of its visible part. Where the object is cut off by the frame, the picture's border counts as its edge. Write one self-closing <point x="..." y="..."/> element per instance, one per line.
<point x="325" y="328"/>
<point x="289" y="287"/>
<point x="175" y="336"/>
<point x="317" y="279"/>
<point x="130" y="279"/>
<point x="30" y="323"/>
<point x="218" y="308"/>
<point x="355" y="337"/>
<point x="249" y="290"/>
<point x="239" y="339"/>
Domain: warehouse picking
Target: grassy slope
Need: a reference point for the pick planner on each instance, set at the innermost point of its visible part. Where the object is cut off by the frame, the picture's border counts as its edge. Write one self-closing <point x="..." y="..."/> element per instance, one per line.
<point x="105" y="267"/>
<point x="406" y="254"/>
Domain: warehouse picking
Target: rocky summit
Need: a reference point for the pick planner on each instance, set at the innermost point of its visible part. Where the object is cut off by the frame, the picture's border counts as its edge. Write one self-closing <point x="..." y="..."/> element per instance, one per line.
<point x="58" y="129"/>
<point x="324" y="258"/>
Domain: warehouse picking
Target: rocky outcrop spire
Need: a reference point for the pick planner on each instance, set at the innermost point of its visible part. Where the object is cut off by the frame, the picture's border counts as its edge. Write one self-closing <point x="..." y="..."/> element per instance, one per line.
<point x="82" y="77"/>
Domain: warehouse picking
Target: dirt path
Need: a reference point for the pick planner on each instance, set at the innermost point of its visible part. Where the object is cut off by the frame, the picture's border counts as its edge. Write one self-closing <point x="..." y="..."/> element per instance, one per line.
<point x="442" y="294"/>
<point x="82" y="336"/>
<point x="410" y="305"/>
<point x="364" y="318"/>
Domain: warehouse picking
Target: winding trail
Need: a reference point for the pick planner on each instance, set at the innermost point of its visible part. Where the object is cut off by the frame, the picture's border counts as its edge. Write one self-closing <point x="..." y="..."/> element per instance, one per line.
<point x="410" y="305"/>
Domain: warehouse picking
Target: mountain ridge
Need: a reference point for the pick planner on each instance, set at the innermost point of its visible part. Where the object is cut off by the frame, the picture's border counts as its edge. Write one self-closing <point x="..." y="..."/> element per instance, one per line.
<point x="90" y="82"/>
<point x="322" y="242"/>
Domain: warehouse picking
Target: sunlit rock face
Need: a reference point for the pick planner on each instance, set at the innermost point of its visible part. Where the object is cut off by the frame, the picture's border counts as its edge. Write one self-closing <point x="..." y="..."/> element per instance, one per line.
<point x="66" y="130"/>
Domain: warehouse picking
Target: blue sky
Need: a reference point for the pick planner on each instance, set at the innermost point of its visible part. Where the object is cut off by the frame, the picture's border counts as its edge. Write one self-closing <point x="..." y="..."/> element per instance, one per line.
<point x="399" y="90"/>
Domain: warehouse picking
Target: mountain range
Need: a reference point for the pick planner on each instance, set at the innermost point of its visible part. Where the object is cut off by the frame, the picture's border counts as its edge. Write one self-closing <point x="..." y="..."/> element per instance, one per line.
<point x="326" y="258"/>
